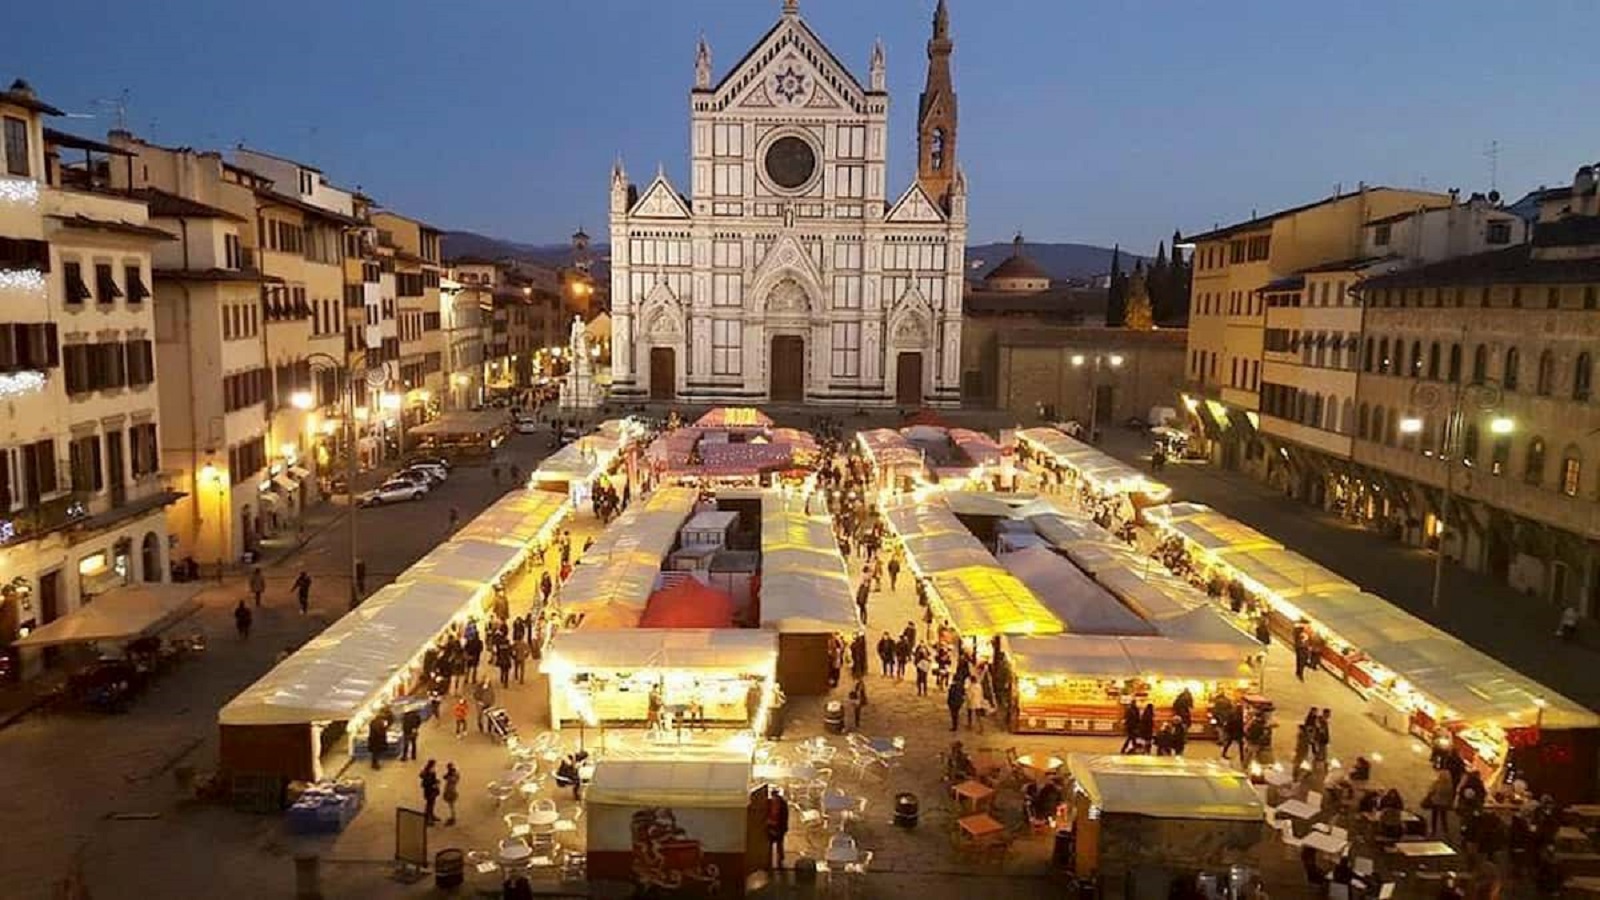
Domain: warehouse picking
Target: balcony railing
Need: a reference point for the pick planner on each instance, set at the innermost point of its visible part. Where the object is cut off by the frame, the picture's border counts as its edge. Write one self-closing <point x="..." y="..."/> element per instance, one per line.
<point x="44" y="517"/>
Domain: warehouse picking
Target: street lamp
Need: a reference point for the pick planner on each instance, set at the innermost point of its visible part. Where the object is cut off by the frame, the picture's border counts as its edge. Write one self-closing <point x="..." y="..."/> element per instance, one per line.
<point x="1099" y="363"/>
<point x="1482" y="398"/>
<point x="302" y="400"/>
<point x="331" y="362"/>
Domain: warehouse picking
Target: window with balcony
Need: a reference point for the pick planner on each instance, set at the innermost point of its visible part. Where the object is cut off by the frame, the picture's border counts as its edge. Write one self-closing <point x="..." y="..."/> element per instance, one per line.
<point x="84" y="456"/>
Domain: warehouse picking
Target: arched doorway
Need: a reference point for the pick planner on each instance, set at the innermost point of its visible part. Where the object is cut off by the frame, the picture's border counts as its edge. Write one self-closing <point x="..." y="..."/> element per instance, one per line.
<point x="150" y="556"/>
<point x="663" y="373"/>
<point x="787" y="369"/>
<point x="908" y="379"/>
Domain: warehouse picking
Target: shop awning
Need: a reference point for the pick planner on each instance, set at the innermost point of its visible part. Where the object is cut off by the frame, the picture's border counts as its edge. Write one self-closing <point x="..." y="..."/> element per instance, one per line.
<point x="674" y="784"/>
<point x="804" y="586"/>
<point x="688" y="603"/>
<point x="357" y="661"/>
<point x="1085" y="607"/>
<point x="1123" y="657"/>
<point x="739" y="651"/>
<point x="1284" y="573"/>
<point x="1212" y="532"/>
<point x="1166" y="787"/>
<point x="120" y="614"/>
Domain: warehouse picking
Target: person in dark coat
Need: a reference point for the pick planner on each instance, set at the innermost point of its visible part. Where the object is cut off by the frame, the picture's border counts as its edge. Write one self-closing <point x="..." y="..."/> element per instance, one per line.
<point x="410" y="724"/>
<point x="430" y="790"/>
<point x="1147" y="725"/>
<point x="473" y="652"/>
<point x="777" y="825"/>
<point x="1130" y="727"/>
<point x="377" y="739"/>
<point x="302" y="591"/>
<point x="886" y="653"/>
<point x="242" y="617"/>
<point x="858" y="657"/>
<point x="861" y="599"/>
<point x="502" y="661"/>
<point x="954" y="698"/>
<point x="1233" y="732"/>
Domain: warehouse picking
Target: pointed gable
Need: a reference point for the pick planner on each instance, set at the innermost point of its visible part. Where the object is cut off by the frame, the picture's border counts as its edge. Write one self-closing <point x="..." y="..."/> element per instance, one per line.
<point x="790" y="49"/>
<point x="914" y="206"/>
<point x="660" y="201"/>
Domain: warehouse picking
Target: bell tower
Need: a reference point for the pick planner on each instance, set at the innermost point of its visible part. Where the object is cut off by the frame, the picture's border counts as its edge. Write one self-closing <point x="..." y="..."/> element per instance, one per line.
<point x="936" y="115"/>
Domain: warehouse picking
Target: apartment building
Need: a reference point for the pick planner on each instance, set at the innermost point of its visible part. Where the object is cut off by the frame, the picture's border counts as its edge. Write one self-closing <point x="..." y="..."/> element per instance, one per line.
<point x="82" y="495"/>
<point x="1476" y="404"/>
<point x="419" y="378"/>
<point x="1228" y="307"/>
<point x="467" y="293"/>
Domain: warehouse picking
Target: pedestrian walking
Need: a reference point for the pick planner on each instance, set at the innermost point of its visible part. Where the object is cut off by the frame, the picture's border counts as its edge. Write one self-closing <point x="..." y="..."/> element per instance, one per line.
<point x="1233" y="732"/>
<point x="258" y="584"/>
<point x="503" y="661"/>
<point x="1300" y="652"/>
<point x="377" y="739"/>
<point x="410" y="725"/>
<point x="858" y="657"/>
<point x="975" y="704"/>
<point x="777" y="826"/>
<point x="886" y="654"/>
<point x="483" y="695"/>
<point x="923" y="665"/>
<point x="242" y="618"/>
<point x="520" y="651"/>
<point x="954" y="699"/>
<point x="455" y="519"/>
<point x="361" y="578"/>
<point x="430" y="791"/>
<point x="861" y="600"/>
<point x="858" y="702"/>
<point x="1130" y="728"/>
<point x="1440" y="799"/>
<point x="459" y="713"/>
<point x="473" y="649"/>
<point x="452" y="790"/>
<point x="902" y="656"/>
<point x="302" y="590"/>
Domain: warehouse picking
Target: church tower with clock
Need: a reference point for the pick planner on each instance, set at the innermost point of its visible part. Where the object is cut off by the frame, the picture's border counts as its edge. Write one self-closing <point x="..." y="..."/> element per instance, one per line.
<point x="787" y="272"/>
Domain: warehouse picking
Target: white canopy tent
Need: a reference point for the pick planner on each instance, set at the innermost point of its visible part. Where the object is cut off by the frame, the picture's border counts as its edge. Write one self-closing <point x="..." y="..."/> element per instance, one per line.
<point x="1085" y="607"/>
<point x="473" y="561"/>
<point x="671" y="783"/>
<point x="804" y="586"/>
<point x="120" y="614"/>
<point x="1166" y="787"/>
<point x="619" y="571"/>
<point x="520" y="518"/>
<point x="633" y="649"/>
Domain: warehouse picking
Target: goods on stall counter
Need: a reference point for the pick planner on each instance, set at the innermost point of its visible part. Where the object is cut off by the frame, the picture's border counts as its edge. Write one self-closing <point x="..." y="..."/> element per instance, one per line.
<point x="326" y="807"/>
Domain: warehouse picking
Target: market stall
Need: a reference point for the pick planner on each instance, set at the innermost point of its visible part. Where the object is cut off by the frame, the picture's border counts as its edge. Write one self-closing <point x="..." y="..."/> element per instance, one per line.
<point x="605" y="677"/>
<point x="693" y="827"/>
<point x="1102" y="475"/>
<point x="1162" y="812"/>
<point x="896" y="465"/>
<point x="523" y="518"/>
<point x="618" y="573"/>
<point x="735" y="418"/>
<point x="1080" y="684"/>
<point x="579" y="467"/>
<point x="1082" y="605"/>
<point x="462" y="433"/>
<point x="805" y="595"/>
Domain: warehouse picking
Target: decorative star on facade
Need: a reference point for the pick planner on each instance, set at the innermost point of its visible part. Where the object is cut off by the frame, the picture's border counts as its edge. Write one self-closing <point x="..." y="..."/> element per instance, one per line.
<point x="790" y="84"/>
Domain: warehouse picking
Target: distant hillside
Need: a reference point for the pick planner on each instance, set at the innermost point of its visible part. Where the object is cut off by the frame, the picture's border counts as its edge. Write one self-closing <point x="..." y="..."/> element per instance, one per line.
<point x="1062" y="261"/>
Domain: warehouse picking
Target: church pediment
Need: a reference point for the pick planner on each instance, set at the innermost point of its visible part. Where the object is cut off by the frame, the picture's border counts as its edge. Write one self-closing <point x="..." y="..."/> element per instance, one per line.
<point x="914" y="206"/>
<point x="789" y="262"/>
<point x="660" y="201"/>
<point x="790" y="68"/>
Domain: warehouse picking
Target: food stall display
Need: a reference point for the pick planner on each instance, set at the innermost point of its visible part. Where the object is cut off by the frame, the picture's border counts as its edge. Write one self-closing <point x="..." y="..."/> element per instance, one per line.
<point x="368" y="659"/>
<point x="805" y="594"/>
<point x="678" y="826"/>
<point x="1167" y="812"/>
<point x="618" y="573"/>
<point x="606" y="677"/>
<point x="1079" y="684"/>
<point x="896" y="465"/>
<point x="464" y="433"/>
<point x="576" y="468"/>
<point x="1417" y="678"/>
<point x="1103" y="474"/>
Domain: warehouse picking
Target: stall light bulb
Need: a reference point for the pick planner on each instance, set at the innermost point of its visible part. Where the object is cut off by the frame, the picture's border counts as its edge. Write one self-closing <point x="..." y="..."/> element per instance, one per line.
<point x="1375" y="756"/>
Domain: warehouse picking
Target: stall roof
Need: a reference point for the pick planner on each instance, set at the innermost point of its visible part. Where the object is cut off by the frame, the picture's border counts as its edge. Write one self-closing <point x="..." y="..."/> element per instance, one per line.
<point x="979" y="447"/>
<point x="1060" y="529"/>
<point x="465" y="559"/>
<point x="1219" y="535"/>
<point x="1126" y="656"/>
<point x="987" y="600"/>
<point x="1285" y="573"/>
<point x="978" y="503"/>
<point x="632" y="649"/>
<point x="804" y="586"/>
<point x="1166" y="787"/>
<point x="465" y="422"/>
<point x="338" y="673"/>
<point x="519" y="518"/>
<point x="1151" y="595"/>
<point x="581" y="460"/>
<point x="1085" y="607"/>
<point x="1101" y="470"/>
<point x="887" y="447"/>
<point x="120" y="614"/>
<point x="674" y="783"/>
<point x="688" y="603"/>
<point x="620" y="569"/>
<point x="734" y="417"/>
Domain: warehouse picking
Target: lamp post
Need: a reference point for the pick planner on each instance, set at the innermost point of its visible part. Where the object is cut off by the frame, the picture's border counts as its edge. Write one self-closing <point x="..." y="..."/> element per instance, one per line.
<point x="1097" y="363"/>
<point x="1483" y="398"/>
<point x="349" y="394"/>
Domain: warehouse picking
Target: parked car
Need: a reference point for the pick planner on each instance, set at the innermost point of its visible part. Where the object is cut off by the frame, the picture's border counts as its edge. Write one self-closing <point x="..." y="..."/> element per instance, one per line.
<point x="527" y="426"/>
<point x="417" y="478"/>
<point x="395" y="490"/>
<point x="435" y="474"/>
<point x="439" y="461"/>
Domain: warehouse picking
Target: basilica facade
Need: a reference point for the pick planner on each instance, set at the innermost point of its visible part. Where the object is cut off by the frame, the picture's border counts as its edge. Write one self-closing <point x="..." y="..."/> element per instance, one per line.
<point x="788" y="273"/>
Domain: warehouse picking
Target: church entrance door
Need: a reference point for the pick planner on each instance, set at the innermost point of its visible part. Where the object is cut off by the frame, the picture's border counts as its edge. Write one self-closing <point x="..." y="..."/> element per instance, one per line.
<point x="663" y="373"/>
<point x="908" y="379"/>
<point x="788" y="369"/>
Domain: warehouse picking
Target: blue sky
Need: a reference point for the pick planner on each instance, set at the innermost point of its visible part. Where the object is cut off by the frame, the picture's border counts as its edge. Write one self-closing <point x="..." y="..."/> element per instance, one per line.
<point x="1093" y="122"/>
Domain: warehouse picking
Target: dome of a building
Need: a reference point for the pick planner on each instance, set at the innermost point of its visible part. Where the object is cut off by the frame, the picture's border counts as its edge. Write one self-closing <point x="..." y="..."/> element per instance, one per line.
<point x="1017" y="273"/>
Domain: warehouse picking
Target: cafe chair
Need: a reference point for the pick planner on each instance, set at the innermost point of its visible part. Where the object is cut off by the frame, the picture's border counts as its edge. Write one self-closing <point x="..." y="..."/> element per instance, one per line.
<point x="499" y="791"/>
<point x="822" y="754"/>
<point x="517" y="824"/>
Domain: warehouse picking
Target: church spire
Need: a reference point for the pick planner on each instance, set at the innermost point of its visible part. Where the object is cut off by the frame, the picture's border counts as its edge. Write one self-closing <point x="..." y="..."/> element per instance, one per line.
<point x="791" y="7"/>
<point x="877" y="69"/>
<point x="936" y="116"/>
<point x="702" y="65"/>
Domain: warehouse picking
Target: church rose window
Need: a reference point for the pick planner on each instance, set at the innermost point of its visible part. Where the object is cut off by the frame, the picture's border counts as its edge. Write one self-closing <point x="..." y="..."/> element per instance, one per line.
<point x="790" y="162"/>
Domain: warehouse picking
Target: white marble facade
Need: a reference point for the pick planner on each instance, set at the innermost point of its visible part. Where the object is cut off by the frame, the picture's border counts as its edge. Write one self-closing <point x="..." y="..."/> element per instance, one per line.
<point x="786" y="273"/>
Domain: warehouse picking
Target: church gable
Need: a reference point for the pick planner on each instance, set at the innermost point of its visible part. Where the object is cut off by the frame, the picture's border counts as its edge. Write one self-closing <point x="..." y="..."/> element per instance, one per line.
<point x="914" y="207"/>
<point x="660" y="201"/>
<point x="790" y="68"/>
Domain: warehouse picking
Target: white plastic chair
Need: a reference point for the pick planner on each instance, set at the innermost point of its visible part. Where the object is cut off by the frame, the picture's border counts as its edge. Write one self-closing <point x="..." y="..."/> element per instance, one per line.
<point x="517" y="824"/>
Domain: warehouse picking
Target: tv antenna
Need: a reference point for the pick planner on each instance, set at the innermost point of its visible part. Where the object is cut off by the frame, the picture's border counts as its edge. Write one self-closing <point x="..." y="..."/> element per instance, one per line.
<point x="117" y="106"/>
<point x="1492" y="154"/>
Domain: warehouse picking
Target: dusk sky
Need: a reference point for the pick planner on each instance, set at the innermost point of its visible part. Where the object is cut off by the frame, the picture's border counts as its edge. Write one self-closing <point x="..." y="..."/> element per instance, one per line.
<point x="1100" y="123"/>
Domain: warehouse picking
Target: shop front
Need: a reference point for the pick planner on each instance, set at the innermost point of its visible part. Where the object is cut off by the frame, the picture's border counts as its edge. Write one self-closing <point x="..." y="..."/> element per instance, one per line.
<point x="721" y="678"/>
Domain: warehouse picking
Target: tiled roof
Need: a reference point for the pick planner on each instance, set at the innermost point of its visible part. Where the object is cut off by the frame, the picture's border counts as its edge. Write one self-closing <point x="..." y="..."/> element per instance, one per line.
<point x="171" y="206"/>
<point x="1513" y="265"/>
<point x="113" y="226"/>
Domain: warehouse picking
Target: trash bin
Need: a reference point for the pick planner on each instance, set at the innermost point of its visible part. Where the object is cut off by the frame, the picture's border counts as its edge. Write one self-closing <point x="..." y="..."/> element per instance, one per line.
<point x="833" y="717"/>
<point x="905" y="809"/>
<point x="449" y="868"/>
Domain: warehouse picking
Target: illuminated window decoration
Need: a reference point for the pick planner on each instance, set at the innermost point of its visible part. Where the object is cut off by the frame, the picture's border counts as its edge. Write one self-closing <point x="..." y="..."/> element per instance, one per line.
<point x="19" y="191"/>
<point x="30" y="280"/>
<point x="18" y="384"/>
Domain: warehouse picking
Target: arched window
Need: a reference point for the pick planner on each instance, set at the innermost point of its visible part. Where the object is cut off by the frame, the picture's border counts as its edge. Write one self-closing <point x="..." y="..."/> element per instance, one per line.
<point x="1416" y="359"/>
<point x="1383" y="355"/>
<point x="1501" y="455"/>
<point x="1363" y="421"/>
<point x="1582" y="377"/>
<point x="1546" y="382"/>
<point x="1480" y="364"/>
<point x="1513" y="365"/>
<point x="1533" y="463"/>
<point x="1347" y="419"/>
<point x="1391" y="428"/>
<point x="150" y="550"/>
<point x="936" y="150"/>
<point x="1366" y="363"/>
<point x="1455" y="363"/>
<point x="1433" y="361"/>
<point x="1469" y="443"/>
<point x="1571" y="471"/>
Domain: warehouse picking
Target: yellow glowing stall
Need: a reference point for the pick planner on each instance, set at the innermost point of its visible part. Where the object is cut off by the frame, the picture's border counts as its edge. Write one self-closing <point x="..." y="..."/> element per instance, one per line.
<point x="805" y="592"/>
<point x="610" y="587"/>
<point x="1103" y="474"/>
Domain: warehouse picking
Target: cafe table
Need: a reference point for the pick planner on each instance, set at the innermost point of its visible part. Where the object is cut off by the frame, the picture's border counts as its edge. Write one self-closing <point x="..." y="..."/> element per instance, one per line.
<point x="1042" y="764"/>
<point x="974" y="795"/>
<point x="981" y="826"/>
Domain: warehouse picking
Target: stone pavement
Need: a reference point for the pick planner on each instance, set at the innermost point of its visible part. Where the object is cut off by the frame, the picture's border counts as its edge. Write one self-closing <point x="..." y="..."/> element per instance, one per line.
<point x="1515" y="629"/>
